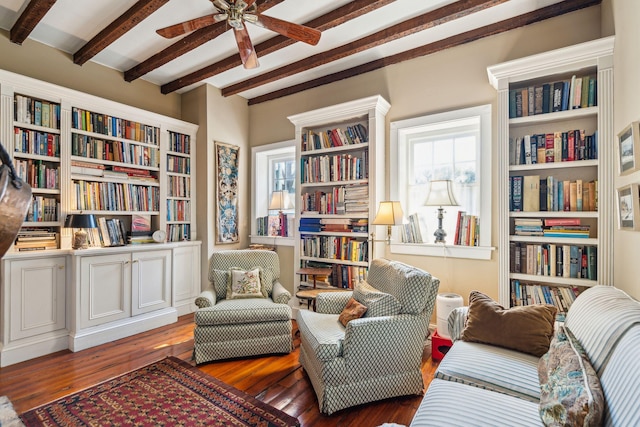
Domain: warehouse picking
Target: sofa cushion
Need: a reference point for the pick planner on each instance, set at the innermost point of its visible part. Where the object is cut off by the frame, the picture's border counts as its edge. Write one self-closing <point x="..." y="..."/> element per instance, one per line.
<point x="528" y="328"/>
<point x="353" y="310"/>
<point x="322" y="334"/>
<point x="570" y="389"/>
<point x="490" y="367"/>
<point x="248" y="310"/>
<point x="447" y="403"/>
<point x="378" y="303"/>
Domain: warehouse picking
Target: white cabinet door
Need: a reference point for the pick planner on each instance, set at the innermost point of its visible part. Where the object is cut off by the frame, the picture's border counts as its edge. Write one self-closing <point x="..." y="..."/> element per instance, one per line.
<point x="186" y="277"/>
<point x="105" y="289"/>
<point x="151" y="285"/>
<point x="37" y="296"/>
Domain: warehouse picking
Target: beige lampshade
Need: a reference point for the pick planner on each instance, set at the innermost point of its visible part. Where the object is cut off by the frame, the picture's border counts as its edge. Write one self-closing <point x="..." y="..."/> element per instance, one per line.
<point x="441" y="194"/>
<point x="279" y="201"/>
<point x="389" y="213"/>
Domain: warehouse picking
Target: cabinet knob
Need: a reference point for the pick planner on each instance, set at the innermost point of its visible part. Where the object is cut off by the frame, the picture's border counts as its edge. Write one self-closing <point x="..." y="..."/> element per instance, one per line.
<point x="135" y="261"/>
<point x="61" y="267"/>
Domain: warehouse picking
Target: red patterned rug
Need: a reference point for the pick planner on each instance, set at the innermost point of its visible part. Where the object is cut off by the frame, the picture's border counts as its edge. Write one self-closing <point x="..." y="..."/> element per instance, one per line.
<point x="166" y="393"/>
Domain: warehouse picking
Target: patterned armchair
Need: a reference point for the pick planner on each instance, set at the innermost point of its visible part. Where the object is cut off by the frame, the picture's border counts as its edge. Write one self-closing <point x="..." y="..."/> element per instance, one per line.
<point x="227" y="328"/>
<point x="374" y="357"/>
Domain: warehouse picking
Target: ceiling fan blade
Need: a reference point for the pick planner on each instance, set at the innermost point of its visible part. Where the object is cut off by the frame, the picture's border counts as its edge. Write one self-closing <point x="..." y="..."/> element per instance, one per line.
<point x="245" y="47"/>
<point x="221" y="4"/>
<point x="288" y="29"/>
<point x="191" y="25"/>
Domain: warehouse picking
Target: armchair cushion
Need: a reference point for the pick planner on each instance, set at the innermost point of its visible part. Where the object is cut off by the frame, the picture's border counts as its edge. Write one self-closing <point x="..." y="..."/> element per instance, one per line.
<point x="378" y="303"/>
<point x="323" y="332"/>
<point x="526" y="328"/>
<point x="238" y="311"/>
<point x="353" y="310"/>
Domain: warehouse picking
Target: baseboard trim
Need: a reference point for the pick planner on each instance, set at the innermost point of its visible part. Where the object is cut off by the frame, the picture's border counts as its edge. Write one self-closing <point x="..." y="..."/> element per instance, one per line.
<point x="30" y="348"/>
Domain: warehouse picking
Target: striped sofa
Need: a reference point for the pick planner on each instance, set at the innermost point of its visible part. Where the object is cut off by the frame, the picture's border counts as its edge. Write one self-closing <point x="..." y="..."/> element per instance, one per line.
<point x="482" y="385"/>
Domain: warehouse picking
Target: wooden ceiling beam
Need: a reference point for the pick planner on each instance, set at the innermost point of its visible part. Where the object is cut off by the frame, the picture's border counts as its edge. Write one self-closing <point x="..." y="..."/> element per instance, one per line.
<point x="34" y="12"/>
<point x="125" y="22"/>
<point x="457" y="40"/>
<point x="187" y="44"/>
<point x="329" y="20"/>
<point x="422" y="22"/>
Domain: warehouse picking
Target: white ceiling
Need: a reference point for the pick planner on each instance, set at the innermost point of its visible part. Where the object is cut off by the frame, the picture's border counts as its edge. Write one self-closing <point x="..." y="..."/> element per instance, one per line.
<point x="69" y="24"/>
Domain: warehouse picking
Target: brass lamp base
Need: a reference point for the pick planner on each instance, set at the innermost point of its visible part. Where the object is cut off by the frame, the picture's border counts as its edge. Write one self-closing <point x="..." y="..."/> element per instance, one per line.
<point x="80" y="239"/>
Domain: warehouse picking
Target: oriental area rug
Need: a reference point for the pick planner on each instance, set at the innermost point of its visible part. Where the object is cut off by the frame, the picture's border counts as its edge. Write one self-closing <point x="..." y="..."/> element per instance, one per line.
<point x="166" y="393"/>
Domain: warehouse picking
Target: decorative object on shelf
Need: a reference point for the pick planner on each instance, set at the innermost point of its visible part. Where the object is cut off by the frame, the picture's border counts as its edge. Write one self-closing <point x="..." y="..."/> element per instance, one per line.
<point x="629" y="149"/>
<point x="628" y="207"/>
<point x="159" y="236"/>
<point x="389" y="214"/>
<point x="441" y="194"/>
<point x="80" y="222"/>
<point x="15" y="198"/>
<point x="279" y="201"/>
<point x="227" y="192"/>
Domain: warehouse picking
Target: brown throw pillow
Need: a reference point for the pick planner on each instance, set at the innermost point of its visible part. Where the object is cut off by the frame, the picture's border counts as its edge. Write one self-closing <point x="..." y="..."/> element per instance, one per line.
<point x="353" y="310"/>
<point x="528" y="329"/>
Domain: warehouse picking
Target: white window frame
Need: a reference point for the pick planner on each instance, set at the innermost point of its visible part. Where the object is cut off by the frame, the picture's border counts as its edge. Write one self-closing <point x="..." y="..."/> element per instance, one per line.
<point x="400" y="131"/>
<point x="262" y="157"/>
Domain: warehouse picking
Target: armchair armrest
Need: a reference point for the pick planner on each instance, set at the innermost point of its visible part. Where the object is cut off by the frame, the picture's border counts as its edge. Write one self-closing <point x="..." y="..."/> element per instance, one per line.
<point x="332" y="302"/>
<point x="279" y="294"/>
<point x="207" y="298"/>
<point x="456" y="321"/>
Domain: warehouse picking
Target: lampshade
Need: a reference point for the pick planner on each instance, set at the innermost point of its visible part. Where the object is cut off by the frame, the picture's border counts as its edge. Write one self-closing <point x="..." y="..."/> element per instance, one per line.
<point x="80" y="221"/>
<point x="279" y="200"/>
<point x="441" y="194"/>
<point x="389" y="213"/>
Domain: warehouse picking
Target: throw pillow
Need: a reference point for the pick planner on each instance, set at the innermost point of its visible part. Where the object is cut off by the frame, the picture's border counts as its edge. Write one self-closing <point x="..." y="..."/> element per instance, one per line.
<point x="570" y="390"/>
<point x="244" y="284"/>
<point x="528" y="329"/>
<point x="378" y="303"/>
<point x="353" y="310"/>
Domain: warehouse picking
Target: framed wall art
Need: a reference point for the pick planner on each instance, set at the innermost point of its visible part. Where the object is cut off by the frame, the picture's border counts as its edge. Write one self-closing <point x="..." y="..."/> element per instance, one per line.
<point x="629" y="207"/>
<point x="226" y="160"/>
<point x="629" y="149"/>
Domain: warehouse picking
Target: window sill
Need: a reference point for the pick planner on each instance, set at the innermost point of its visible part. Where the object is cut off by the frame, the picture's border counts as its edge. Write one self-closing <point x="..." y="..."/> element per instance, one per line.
<point x="273" y="240"/>
<point x="444" y="251"/>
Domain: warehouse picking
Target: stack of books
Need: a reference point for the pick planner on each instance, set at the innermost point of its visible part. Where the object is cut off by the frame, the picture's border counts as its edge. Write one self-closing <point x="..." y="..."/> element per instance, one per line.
<point x="140" y="230"/>
<point x="565" y="227"/>
<point x="34" y="239"/>
<point x="528" y="227"/>
<point x="356" y="199"/>
<point x="310" y="225"/>
<point x="336" y="224"/>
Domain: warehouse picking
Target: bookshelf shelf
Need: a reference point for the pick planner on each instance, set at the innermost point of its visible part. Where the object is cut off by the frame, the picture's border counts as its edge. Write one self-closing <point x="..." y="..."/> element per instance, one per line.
<point x="335" y="128"/>
<point x="560" y="70"/>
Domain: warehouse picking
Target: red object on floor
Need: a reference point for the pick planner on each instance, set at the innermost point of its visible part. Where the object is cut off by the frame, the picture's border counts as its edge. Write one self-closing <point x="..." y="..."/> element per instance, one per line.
<point x="439" y="346"/>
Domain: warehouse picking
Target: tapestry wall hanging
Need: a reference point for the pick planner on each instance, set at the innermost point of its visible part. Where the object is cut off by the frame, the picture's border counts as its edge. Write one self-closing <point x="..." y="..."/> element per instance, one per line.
<point x="226" y="192"/>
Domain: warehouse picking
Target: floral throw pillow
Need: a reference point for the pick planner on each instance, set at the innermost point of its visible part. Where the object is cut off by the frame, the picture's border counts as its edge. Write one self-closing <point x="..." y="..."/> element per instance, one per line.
<point x="244" y="284"/>
<point x="570" y="390"/>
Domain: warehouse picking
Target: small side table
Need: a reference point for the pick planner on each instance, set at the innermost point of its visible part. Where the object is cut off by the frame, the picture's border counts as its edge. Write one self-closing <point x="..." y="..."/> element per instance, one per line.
<point x="310" y="295"/>
<point x="314" y="272"/>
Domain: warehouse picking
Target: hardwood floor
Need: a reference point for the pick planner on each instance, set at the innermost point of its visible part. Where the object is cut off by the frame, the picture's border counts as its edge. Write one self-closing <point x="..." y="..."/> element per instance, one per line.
<point x="278" y="380"/>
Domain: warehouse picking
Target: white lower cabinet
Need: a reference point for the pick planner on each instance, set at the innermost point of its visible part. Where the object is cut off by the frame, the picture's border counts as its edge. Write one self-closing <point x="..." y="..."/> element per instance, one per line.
<point x="186" y="278"/>
<point x="151" y="281"/>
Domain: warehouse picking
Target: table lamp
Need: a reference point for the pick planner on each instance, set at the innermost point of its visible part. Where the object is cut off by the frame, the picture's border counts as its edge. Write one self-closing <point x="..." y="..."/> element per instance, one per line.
<point x="441" y="194"/>
<point x="80" y="222"/>
<point x="389" y="214"/>
<point x="279" y="201"/>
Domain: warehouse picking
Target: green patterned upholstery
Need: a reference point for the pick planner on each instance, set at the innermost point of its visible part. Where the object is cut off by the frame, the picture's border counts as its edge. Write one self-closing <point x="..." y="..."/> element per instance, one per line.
<point x="242" y="327"/>
<point x="373" y="358"/>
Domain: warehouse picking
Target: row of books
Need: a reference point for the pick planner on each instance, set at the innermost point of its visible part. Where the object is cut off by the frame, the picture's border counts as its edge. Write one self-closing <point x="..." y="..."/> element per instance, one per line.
<point x="568" y="94"/>
<point x="530" y="193"/>
<point x="33" y="239"/>
<point x="112" y="232"/>
<point x="528" y="293"/>
<point x="115" y="151"/>
<point x="114" y="196"/>
<point x="335" y="168"/>
<point x="178" y="232"/>
<point x="356" y="134"/>
<point x="335" y="225"/>
<point x="553" y="147"/>
<point x="572" y="261"/>
<point x="334" y="247"/>
<point x="113" y="126"/>
<point x="43" y="209"/>
<point x="275" y="225"/>
<point x="35" y="111"/>
<point x="178" y="186"/>
<point x="554" y="227"/>
<point x="178" y="210"/>
<point x="38" y="174"/>
<point x="179" y="164"/>
<point x="36" y="142"/>
<point x="79" y="167"/>
<point x="410" y="232"/>
<point x="467" y="230"/>
<point x="179" y="142"/>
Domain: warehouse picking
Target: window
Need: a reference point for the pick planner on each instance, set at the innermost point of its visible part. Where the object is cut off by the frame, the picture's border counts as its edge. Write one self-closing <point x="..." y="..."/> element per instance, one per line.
<point x="452" y="146"/>
<point x="274" y="169"/>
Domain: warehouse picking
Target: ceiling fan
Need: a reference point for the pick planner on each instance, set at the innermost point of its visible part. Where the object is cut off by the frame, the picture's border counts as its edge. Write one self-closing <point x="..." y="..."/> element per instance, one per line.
<point x="236" y="12"/>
